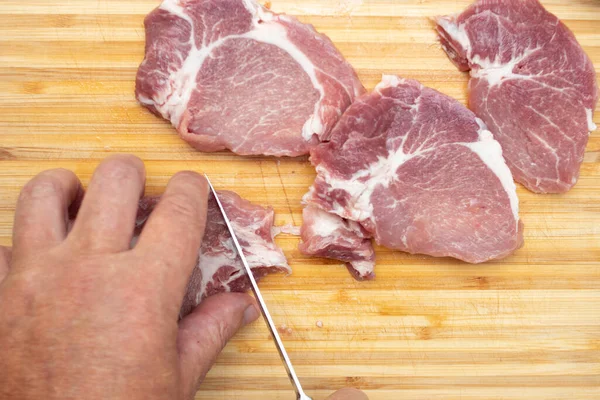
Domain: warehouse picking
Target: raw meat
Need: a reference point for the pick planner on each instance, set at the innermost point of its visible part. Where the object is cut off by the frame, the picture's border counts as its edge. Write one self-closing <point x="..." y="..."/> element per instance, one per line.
<point x="420" y="173"/>
<point x="219" y="268"/>
<point x="328" y="235"/>
<point x="531" y="83"/>
<point x="230" y="74"/>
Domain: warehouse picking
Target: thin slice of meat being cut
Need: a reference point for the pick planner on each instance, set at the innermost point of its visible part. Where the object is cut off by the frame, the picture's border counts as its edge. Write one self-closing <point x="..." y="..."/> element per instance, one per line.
<point x="330" y="236"/>
<point x="219" y="268"/>
<point x="230" y="74"/>
<point x="421" y="173"/>
<point x="531" y="83"/>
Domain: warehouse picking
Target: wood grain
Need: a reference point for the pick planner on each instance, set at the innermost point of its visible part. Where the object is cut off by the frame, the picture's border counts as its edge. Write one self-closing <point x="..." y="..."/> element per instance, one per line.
<point x="527" y="327"/>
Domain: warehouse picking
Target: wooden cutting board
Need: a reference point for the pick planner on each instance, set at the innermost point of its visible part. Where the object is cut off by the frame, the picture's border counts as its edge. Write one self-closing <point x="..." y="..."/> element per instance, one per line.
<point x="527" y="327"/>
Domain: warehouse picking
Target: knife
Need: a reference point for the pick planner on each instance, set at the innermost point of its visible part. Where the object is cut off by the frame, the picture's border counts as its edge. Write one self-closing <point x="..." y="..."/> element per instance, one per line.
<point x="300" y="395"/>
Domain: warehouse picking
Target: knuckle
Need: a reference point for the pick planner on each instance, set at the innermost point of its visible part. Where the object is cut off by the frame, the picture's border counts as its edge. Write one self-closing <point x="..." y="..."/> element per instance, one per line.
<point x="43" y="186"/>
<point x="23" y="287"/>
<point x="219" y="329"/>
<point x="121" y="168"/>
<point x="181" y="205"/>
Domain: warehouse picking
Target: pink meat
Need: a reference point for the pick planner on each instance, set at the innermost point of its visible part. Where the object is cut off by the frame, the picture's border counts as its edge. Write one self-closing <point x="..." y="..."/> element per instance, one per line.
<point x="531" y="83"/>
<point x="219" y="267"/>
<point x="420" y="173"/>
<point x="230" y="74"/>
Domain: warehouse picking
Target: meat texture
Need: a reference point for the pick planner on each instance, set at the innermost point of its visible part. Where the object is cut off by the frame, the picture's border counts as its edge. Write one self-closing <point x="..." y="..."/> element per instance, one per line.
<point x="230" y="74"/>
<point x="531" y="83"/>
<point x="327" y="235"/>
<point x="420" y="173"/>
<point x="219" y="268"/>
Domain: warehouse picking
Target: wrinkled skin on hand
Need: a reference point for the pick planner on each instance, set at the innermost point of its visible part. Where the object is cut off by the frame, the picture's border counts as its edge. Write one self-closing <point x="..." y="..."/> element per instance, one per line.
<point x="84" y="316"/>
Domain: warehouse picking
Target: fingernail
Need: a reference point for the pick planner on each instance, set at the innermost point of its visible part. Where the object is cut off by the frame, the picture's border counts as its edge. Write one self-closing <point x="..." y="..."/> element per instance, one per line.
<point x="251" y="314"/>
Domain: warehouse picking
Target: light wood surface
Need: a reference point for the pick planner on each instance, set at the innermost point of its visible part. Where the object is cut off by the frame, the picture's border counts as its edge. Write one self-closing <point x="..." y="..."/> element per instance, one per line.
<point x="527" y="327"/>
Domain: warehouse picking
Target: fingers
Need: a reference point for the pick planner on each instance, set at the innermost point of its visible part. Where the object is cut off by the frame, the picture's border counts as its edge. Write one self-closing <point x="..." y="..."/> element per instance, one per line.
<point x="348" y="394"/>
<point x="172" y="235"/>
<point x="106" y="218"/>
<point x="5" y="256"/>
<point x="42" y="209"/>
<point x="204" y="333"/>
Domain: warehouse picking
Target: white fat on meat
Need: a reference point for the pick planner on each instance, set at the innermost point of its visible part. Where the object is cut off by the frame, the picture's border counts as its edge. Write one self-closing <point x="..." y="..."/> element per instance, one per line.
<point x="457" y="32"/>
<point x="287" y="229"/>
<point x="327" y="225"/>
<point x="591" y="125"/>
<point x="490" y="152"/>
<point x="494" y="71"/>
<point x="259" y="253"/>
<point x="327" y="235"/>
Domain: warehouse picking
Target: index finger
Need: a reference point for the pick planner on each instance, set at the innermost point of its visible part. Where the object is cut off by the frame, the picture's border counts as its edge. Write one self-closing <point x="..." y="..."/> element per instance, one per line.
<point x="172" y="236"/>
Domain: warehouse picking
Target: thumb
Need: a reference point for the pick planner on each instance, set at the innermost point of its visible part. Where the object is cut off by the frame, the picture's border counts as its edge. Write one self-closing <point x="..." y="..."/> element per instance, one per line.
<point x="203" y="334"/>
<point x="348" y="394"/>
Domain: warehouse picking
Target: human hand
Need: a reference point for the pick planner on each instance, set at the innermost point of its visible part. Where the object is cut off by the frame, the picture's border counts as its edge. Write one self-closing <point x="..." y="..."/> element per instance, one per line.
<point x="84" y="316"/>
<point x="348" y="394"/>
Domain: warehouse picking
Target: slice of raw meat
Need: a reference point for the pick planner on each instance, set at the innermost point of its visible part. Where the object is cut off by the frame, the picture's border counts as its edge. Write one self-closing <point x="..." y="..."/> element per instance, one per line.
<point x="327" y="235"/>
<point x="230" y="74"/>
<point x="421" y="173"/>
<point x="531" y="83"/>
<point x="219" y="269"/>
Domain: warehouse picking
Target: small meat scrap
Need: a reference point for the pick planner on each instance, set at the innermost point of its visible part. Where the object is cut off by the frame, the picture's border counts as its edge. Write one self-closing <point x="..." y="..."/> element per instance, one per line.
<point x="286" y="229"/>
<point x="328" y="235"/>
<point x="284" y="329"/>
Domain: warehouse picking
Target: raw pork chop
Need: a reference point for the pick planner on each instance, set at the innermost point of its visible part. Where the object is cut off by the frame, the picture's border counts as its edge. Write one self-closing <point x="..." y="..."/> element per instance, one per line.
<point x="330" y="236"/>
<point x="219" y="269"/>
<point x="420" y="173"/>
<point x="231" y="74"/>
<point x="531" y="83"/>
